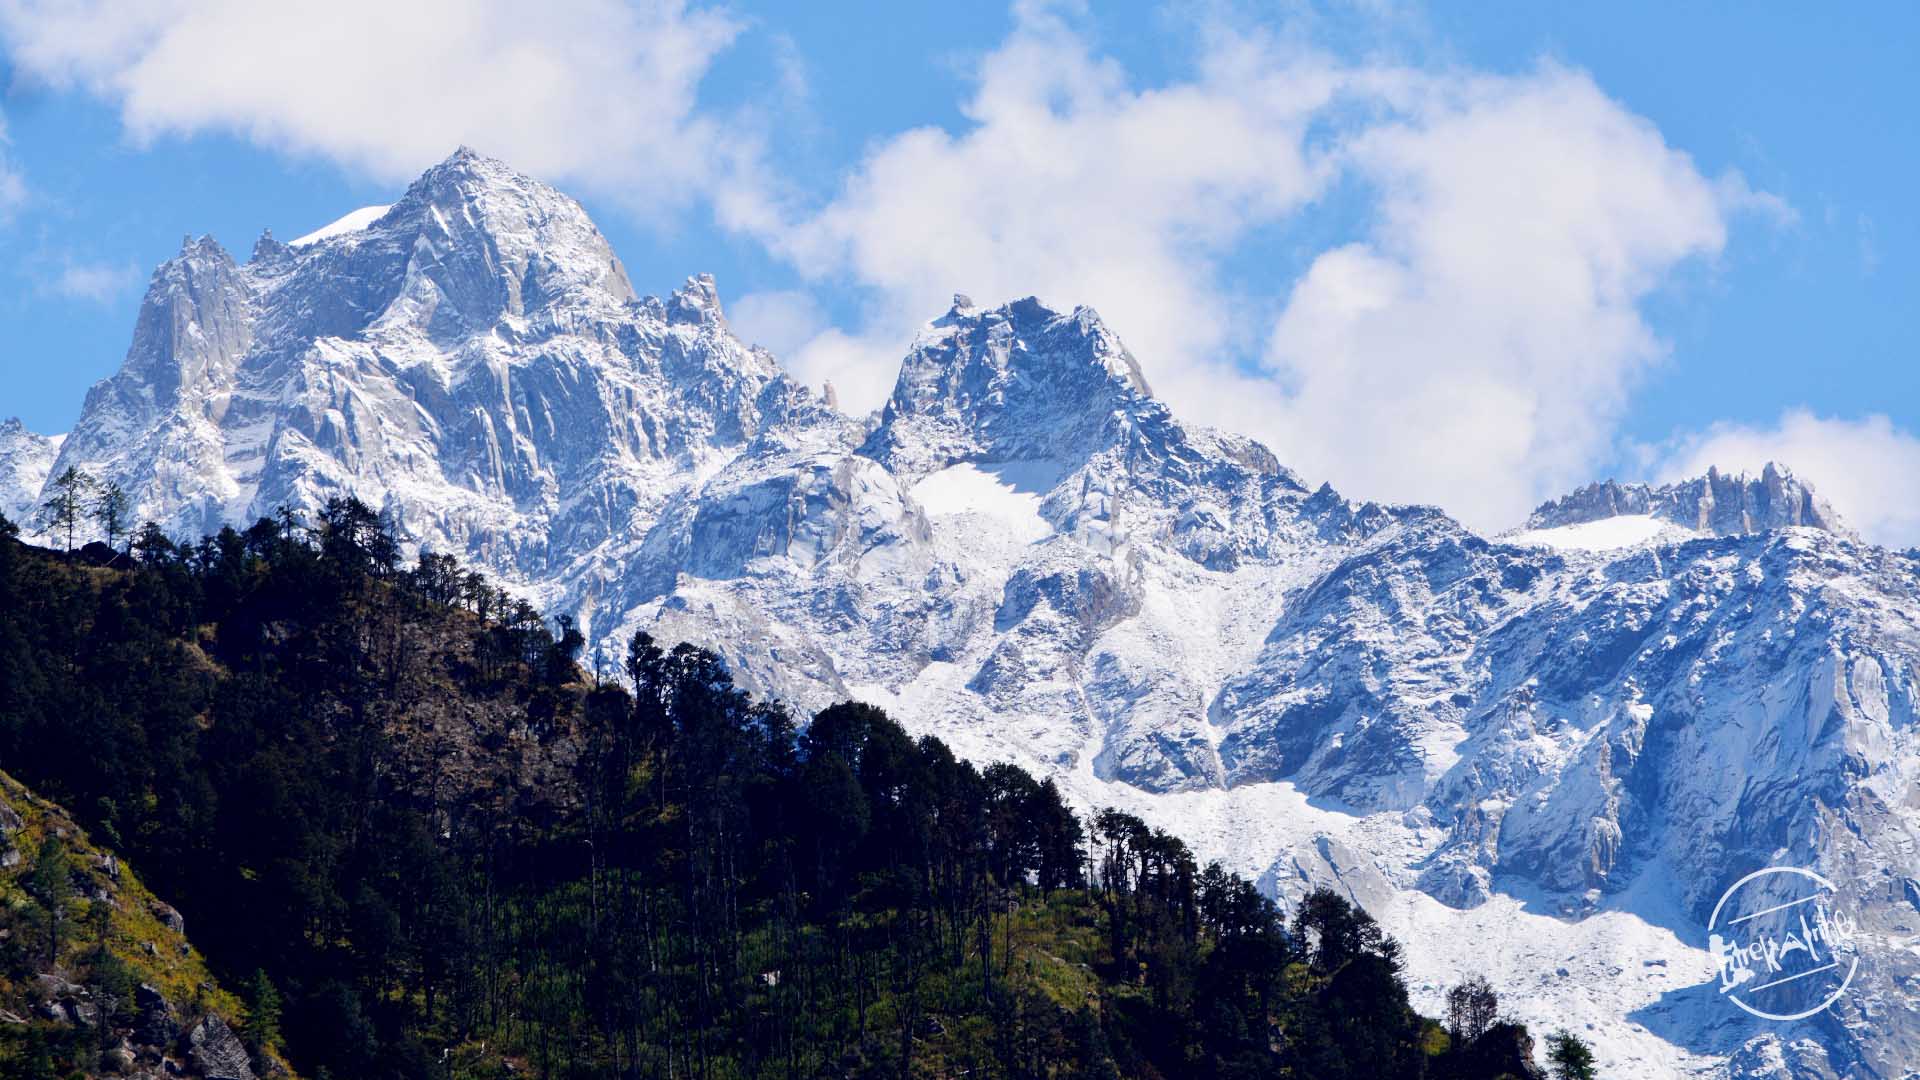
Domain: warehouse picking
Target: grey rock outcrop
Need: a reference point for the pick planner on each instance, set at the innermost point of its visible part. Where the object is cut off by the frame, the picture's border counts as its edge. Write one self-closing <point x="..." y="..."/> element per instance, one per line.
<point x="156" y="1023"/>
<point x="1715" y="504"/>
<point x="216" y="1053"/>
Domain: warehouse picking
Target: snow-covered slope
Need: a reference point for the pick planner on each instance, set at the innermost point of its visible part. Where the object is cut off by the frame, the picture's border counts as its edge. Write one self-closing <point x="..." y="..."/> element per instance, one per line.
<point x="26" y="459"/>
<point x="1542" y="756"/>
<point x="1603" y="534"/>
<point x="351" y="222"/>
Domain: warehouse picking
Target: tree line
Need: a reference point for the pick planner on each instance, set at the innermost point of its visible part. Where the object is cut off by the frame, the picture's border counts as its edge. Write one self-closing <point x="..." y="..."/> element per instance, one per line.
<point x="424" y="843"/>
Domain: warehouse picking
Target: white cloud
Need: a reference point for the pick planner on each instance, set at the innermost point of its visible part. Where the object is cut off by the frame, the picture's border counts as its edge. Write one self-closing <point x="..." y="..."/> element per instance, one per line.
<point x="90" y="281"/>
<point x="596" y="91"/>
<point x="1474" y="345"/>
<point x="1479" y="346"/>
<point x="1868" y="469"/>
<point x="780" y="320"/>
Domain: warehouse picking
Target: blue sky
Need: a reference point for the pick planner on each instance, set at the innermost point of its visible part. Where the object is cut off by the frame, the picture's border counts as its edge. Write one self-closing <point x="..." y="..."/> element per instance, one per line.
<point x="1299" y="221"/>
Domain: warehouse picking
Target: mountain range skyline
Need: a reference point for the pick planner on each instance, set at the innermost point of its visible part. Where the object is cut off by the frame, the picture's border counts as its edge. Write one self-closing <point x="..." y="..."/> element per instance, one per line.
<point x="1305" y="220"/>
<point x="30" y="446"/>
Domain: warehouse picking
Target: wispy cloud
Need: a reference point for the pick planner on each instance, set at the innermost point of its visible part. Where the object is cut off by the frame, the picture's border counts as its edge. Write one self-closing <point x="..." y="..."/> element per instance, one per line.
<point x="13" y="186"/>
<point x="1869" y="247"/>
<point x="94" y="282"/>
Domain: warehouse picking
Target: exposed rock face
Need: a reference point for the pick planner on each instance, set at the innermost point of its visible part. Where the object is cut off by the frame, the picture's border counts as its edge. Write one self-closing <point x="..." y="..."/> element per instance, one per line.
<point x="157" y="1024"/>
<point x="1017" y="383"/>
<point x="1028" y="555"/>
<point x="1716" y="504"/>
<point x="216" y="1052"/>
<point x="169" y="917"/>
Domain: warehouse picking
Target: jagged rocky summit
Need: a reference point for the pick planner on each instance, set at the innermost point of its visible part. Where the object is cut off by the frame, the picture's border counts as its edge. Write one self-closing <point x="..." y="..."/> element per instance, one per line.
<point x="1716" y="504"/>
<point x="474" y="361"/>
<point x="1542" y="756"/>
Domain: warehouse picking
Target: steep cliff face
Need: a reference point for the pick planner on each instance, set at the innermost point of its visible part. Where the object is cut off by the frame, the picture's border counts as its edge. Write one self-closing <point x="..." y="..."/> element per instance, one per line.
<point x="1573" y="737"/>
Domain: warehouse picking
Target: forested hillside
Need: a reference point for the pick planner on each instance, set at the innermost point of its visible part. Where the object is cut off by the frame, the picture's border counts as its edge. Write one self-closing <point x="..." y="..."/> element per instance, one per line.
<point x="395" y="810"/>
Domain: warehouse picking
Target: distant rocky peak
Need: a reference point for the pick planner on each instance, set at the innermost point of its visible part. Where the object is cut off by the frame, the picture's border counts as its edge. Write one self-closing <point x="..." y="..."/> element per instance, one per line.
<point x="491" y="195"/>
<point x="1722" y="504"/>
<point x="1017" y="382"/>
<point x="465" y="171"/>
<point x="1034" y="342"/>
<point x="267" y="249"/>
<point x="496" y="241"/>
<point x="26" y="457"/>
<point x="200" y="265"/>
<point x="193" y="322"/>
<point x="698" y="301"/>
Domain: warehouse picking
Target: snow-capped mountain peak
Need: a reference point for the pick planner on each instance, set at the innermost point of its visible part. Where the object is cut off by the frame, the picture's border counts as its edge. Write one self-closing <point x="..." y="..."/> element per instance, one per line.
<point x="1019" y="382"/>
<point x="473" y="356"/>
<point x="351" y="222"/>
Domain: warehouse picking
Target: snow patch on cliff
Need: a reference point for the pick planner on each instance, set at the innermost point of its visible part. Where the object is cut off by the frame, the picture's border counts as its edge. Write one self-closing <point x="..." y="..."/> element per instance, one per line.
<point x="357" y="221"/>
<point x="1007" y="494"/>
<point x="1607" y="534"/>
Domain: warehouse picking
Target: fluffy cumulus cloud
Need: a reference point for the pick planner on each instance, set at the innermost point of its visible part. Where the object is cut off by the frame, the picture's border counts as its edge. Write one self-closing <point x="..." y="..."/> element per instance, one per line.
<point x="1478" y="347"/>
<point x="1869" y="469"/>
<point x="601" y="92"/>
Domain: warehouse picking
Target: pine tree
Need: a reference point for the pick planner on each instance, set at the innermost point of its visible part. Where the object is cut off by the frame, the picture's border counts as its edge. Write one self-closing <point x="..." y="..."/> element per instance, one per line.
<point x="69" y="504"/>
<point x="1570" y="1057"/>
<point x="110" y="509"/>
<point x="51" y="884"/>
<point x="262" y="1028"/>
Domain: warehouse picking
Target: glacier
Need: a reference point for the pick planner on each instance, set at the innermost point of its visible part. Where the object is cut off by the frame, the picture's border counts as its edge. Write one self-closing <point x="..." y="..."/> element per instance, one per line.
<point x="1541" y="756"/>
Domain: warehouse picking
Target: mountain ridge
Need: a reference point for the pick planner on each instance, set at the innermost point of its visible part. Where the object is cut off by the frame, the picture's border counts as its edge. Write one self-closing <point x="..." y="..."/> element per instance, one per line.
<point x="1715" y="503"/>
